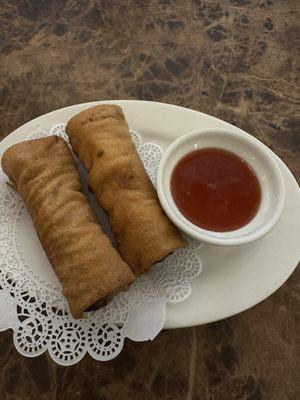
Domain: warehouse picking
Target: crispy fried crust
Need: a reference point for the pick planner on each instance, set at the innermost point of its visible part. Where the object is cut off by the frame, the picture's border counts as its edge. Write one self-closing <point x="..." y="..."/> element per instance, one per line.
<point x="101" y="139"/>
<point x="86" y="263"/>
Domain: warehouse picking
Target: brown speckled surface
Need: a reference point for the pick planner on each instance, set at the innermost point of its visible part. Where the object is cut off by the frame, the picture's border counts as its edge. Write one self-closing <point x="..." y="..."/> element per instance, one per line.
<point x="235" y="59"/>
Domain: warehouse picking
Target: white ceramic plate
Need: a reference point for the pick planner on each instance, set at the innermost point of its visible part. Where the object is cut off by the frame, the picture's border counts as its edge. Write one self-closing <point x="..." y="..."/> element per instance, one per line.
<point x="234" y="278"/>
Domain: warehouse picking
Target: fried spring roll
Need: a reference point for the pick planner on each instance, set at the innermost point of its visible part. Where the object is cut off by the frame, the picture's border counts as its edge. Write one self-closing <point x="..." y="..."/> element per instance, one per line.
<point x="86" y="263"/>
<point x="101" y="139"/>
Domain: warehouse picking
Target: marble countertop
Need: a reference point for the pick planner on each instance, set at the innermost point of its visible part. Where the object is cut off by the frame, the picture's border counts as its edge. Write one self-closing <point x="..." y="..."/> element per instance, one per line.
<point x="234" y="59"/>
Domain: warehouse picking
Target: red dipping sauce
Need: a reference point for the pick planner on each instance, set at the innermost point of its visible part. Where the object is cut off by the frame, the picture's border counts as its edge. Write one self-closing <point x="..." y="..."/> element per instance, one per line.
<point x="215" y="189"/>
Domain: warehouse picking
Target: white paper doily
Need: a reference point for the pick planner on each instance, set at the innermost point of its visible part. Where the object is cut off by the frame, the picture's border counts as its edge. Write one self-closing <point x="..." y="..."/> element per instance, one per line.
<point x="31" y="302"/>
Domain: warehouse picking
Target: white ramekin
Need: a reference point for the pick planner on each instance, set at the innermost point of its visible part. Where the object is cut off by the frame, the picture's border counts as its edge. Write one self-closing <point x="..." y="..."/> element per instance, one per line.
<point x="256" y="154"/>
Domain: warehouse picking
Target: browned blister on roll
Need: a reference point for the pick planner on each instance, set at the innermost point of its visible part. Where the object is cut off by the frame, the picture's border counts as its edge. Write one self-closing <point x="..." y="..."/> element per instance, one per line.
<point x="101" y="139"/>
<point x="86" y="263"/>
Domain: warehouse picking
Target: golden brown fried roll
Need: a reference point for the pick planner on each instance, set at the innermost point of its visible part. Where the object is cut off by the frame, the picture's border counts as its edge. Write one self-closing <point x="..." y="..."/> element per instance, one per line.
<point x="101" y="139"/>
<point x="87" y="265"/>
